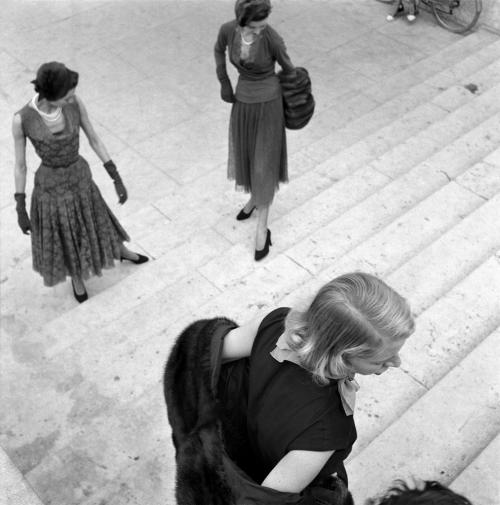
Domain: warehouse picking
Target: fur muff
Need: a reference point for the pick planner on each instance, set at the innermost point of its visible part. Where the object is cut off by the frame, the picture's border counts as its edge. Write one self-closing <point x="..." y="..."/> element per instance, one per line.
<point x="298" y="101"/>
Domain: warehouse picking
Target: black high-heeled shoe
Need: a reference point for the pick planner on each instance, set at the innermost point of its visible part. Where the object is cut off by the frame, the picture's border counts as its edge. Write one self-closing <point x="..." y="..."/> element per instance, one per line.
<point x="79" y="298"/>
<point x="138" y="261"/>
<point x="242" y="215"/>
<point x="264" y="252"/>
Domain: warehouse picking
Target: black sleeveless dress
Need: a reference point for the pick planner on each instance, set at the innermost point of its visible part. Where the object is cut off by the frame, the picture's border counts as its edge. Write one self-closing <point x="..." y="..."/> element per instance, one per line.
<point x="73" y="230"/>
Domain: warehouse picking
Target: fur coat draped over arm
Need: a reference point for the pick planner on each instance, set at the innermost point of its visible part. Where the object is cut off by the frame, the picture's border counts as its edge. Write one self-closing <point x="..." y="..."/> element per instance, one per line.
<point x="206" y="475"/>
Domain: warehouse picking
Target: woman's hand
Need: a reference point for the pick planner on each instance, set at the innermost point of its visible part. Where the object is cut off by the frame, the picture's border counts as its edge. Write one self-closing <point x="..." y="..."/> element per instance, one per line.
<point x="296" y="470"/>
<point x="121" y="191"/>
<point x="226" y="89"/>
<point x="226" y="92"/>
<point x="22" y="216"/>
<point x="20" y="170"/>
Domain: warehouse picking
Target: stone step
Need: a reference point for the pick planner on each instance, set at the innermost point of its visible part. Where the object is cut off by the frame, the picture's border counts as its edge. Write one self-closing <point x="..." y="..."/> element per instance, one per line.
<point x="172" y="276"/>
<point x="404" y="127"/>
<point x="398" y="146"/>
<point x="70" y="363"/>
<point x="179" y="230"/>
<point x="446" y="332"/>
<point x="479" y="481"/>
<point x="15" y="489"/>
<point x="162" y="241"/>
<point x="450" y="424"/>
<point x="442" y="68"/>
<point x="476" y="50"/>
<point x="483" y="178"/>
<point x="429" y="141"/>
<point x="440" y="266"/>
<point x="237" y="261"/>
<point x="334" y="212"/>
<point x="387" y="112"/>
<point x="383" y="398"/>
<point x="395" y="162"/>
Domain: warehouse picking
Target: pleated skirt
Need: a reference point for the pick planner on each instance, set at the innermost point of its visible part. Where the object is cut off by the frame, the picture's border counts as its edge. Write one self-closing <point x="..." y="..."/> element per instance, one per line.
<point x="74" y="233"/>
<point x="257" y="148"/>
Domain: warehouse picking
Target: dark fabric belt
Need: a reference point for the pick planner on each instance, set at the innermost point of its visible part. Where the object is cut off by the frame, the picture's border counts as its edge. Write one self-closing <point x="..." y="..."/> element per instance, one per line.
<point x="60" y="166"/>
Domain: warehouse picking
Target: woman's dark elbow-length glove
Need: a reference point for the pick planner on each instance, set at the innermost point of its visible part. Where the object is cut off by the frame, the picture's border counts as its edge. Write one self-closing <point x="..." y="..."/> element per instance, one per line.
<point x="22" y="216"/>
<point x="226" y="89"/>
<point x="121" y="191"/>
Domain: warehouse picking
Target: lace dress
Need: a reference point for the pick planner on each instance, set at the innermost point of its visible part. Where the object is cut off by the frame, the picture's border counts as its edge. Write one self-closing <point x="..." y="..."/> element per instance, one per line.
<point x="73" y="230"/>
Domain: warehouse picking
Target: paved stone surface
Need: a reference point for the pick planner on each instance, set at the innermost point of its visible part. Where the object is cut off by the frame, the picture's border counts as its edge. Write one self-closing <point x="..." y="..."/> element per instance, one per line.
<point x="485" y="469"/>
<point x="397" y="174"/>
<point x="435" y="447"/>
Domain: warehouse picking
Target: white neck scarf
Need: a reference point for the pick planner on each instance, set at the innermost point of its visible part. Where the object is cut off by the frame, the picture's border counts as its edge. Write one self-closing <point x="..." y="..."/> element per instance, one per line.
<point x="347" y="386"/>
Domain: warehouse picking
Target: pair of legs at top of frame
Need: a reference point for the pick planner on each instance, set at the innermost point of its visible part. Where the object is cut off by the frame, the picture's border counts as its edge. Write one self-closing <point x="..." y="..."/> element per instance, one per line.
<point x="404" y="7"/>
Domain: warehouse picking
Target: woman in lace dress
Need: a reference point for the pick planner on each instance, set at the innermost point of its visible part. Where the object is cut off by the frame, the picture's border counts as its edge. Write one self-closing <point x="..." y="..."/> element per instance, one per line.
<point x="257" y="140"/>
<point x="73" y="231"/>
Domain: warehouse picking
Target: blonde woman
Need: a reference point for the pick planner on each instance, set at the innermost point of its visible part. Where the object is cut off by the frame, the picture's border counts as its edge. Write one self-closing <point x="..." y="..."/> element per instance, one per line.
<point x="301" y="387"/>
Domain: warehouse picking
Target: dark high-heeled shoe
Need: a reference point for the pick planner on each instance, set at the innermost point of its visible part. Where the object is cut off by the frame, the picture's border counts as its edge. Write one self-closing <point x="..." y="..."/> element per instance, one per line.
<point x="79" y="298"/>
<point x="262" y="253"/>
<point x="140" y="259"/>
<point x="242" y="215"/>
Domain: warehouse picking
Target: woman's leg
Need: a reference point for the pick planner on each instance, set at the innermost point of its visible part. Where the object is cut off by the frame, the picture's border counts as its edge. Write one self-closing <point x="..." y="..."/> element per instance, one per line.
<point x="127" y="253"/>
<point x="249" y="205"/>
<point x="78" y="285"/>
<point x="261" y="235"/>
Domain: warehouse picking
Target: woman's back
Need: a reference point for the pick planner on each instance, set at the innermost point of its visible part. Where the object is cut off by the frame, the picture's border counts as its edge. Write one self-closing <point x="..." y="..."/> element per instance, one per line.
<point x="288" y="411"/>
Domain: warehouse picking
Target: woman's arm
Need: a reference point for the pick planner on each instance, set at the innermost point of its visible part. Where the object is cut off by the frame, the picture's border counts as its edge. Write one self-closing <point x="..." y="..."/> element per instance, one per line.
<point x="296" y="470"/>
<point x="280" y="52"/>
<point x="238" y="342"/>
<point x="226" y="90"/>
<point x="20" y="167"/>
<point x="221" y="45"/>
<point x="94" y="140"/>
<point x="99" y="148"/>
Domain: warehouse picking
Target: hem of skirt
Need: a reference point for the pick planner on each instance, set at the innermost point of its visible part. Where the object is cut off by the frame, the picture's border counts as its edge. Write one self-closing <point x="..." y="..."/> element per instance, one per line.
<point x="241" y="188"/>
<point x="85" y="275"/>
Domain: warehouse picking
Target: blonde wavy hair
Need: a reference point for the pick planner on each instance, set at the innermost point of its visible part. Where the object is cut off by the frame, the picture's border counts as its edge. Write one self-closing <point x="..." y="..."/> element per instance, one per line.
<point x="351" y="316"/>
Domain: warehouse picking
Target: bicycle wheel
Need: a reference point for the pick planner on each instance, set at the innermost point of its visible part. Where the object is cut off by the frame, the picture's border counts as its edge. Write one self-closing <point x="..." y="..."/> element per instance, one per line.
<point x="457" y="15"/>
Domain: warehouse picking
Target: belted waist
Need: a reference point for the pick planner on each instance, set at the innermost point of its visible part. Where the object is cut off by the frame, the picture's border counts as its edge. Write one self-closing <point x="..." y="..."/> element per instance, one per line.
<point x="62" y="165"/>
<point x="263" y="90"/>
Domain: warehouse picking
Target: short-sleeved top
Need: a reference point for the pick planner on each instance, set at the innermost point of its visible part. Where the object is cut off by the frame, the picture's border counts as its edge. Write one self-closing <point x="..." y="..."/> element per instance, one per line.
<point x="288" y="411"/>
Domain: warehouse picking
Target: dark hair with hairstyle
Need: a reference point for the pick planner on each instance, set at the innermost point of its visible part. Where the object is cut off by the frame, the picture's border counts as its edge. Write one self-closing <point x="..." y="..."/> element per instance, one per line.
<point x="431" y="493"/>
<point x="54" y="80"/>
<point x="252" y="10"/>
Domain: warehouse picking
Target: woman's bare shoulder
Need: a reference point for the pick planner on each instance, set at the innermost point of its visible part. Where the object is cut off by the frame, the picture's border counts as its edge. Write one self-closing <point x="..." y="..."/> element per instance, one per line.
<point x="238" y="342"/>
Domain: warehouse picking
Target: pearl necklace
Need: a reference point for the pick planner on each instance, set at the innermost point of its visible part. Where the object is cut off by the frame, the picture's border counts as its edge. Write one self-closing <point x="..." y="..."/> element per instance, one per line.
<point x="245" y="42"/>
<point x="48" y="116"/>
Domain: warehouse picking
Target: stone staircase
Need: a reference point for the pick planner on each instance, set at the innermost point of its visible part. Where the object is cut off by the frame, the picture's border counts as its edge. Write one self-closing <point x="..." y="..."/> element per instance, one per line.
<point x="400" y="178"/>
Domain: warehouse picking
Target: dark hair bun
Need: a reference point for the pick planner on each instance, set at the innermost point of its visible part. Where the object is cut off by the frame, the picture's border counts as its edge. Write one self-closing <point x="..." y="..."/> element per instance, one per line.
<point x="54" y="80"/>
<point x="251" y="10"/>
